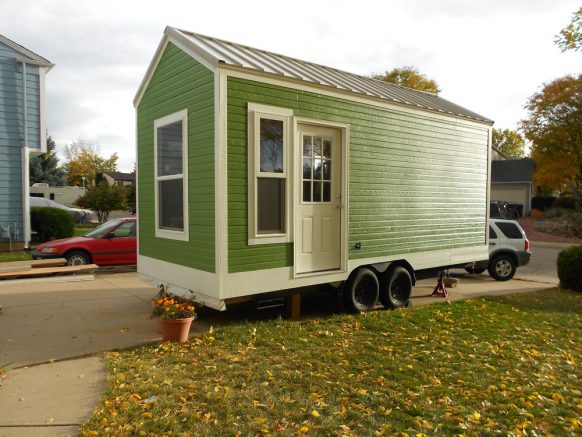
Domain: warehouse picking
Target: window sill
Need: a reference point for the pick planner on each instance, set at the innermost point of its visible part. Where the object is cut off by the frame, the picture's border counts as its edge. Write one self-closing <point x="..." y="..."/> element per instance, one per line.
<point x="269" y="239"/>
<point x="172" y="235"/>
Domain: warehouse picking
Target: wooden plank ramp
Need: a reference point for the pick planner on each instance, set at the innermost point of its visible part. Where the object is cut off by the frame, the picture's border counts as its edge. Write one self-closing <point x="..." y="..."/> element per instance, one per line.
<point x="12" y="266"/>
<point x="48" y="271"/>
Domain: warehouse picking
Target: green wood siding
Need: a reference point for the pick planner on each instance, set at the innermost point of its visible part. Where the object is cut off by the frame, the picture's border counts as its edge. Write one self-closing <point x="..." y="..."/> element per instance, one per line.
<point x="179" y="82"/>
<point x="416" y="183"/>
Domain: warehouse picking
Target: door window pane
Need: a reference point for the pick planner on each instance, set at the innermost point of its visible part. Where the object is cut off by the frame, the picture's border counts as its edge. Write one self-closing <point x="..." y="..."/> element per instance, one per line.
<point x="317" y="169"/>
<point x="306" y="191"/>
<point x="306" y="168"/>
<point x="307" y="146"/>
<point x="171" y="205"/>
<point x="170" y="149"/>
<point x="327" y="148"/>
<point x="271" y="145"/>
<point x="316" y="191"/>
<point x="327" y="170"/>
<point x="327" y="191"/>
<point x="270" y="205"/>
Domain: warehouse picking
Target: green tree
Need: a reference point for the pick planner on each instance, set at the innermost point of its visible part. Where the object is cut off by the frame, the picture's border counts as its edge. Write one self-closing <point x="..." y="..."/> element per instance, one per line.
<point x="410" y="77"/>
<point x="44" y="168"/>
<point x="509" y="142"/>
<point x="570" y="37"/>
<point x="103" y="199"/>
<point x="554" y="127"/>
<point x="84" y="160"/>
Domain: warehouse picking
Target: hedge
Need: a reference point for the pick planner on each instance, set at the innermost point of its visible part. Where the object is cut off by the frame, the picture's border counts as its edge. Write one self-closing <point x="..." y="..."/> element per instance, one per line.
<point x="543" y="202"/>
<point x="570" y="268"/>
<point x="51" y="223"/>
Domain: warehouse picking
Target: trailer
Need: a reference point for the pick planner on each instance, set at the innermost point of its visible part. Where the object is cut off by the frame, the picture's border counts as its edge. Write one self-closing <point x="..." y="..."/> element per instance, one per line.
<point x="259" y="173"/>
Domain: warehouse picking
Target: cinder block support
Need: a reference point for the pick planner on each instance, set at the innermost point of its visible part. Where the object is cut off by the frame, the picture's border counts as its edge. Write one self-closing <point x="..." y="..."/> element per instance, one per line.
<point x="293" y="304"/>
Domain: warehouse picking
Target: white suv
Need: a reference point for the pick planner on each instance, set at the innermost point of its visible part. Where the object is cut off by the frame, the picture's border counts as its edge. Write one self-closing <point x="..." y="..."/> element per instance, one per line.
<point x="508" y="249"/>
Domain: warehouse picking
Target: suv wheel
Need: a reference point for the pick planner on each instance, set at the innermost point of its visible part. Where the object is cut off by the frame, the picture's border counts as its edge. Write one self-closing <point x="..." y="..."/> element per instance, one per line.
<point x="502" y="267"/>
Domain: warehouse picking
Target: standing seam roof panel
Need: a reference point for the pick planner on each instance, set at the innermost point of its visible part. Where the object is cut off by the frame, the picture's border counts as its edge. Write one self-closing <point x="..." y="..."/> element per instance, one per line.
<point x="261" y="60"/>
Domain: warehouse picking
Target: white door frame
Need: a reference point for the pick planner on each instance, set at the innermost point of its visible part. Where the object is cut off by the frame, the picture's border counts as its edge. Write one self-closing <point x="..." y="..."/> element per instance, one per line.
<point x="297" y="178"/>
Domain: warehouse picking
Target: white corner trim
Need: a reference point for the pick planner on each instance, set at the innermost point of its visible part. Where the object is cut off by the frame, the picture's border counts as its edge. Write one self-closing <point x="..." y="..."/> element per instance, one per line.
<point x="42" y="102"/>
<point x="270" y="110"/>
<point x="25" y="196"/>
<point x="167" y="233"/>
<point x="220" y="176"/>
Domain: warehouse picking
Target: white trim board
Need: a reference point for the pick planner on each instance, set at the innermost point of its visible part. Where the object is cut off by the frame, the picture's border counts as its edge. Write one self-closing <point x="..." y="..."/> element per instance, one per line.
<point x="263" y="281"/>
<point x="291" y="83"/>
<point x="203" y="284"/>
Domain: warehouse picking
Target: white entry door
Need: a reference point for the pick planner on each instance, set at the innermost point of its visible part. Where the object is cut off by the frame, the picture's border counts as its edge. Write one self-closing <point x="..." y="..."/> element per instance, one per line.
<point x="318" y="226"/>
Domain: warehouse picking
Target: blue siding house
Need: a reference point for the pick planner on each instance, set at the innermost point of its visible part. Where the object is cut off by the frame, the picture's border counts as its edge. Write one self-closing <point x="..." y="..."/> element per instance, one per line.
<point x="22" y="134"/>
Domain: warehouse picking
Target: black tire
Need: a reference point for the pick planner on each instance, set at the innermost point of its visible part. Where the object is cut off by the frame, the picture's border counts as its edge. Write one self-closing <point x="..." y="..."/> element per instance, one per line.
<point x="77" y="258"/>
<point x="474" y="270"/>
<point x="361" y="291"/>
<point x="502" y="267"/>
<point x="396" y="288"/>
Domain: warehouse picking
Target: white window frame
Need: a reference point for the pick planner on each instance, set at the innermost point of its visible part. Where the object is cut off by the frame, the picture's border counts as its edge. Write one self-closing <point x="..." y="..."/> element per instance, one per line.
<point x="160" y="122"/>
<point x="256" y="112"/>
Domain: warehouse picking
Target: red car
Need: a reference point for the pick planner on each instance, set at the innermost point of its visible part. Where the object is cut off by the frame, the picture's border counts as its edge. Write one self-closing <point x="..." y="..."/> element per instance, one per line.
<point x="112" y="243"/>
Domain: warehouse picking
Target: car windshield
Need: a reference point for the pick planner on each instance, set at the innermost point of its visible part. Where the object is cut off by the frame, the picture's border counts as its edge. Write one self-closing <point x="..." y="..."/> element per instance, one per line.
<point x="103" y="229"/>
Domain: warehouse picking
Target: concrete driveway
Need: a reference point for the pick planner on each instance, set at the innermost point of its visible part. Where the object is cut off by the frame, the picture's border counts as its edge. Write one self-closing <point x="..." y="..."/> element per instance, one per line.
<point x="55" y="322"/>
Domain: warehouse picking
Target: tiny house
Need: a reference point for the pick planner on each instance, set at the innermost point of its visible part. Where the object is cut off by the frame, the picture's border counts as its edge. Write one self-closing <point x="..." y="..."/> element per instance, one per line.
<point x="260" y="173"/>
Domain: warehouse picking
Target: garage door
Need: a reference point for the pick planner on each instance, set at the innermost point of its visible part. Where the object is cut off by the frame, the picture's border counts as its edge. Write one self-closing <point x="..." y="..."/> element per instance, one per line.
<point x="509" y="194"/>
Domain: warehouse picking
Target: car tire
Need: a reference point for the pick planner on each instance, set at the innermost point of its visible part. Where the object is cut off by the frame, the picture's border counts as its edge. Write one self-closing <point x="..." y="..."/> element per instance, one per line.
<point x="474" y="270"/>
<point x="361" y="291"/>
<point x="396" y="288"/>
<point x="77" y="258"/>
<point x="502" y="267"/>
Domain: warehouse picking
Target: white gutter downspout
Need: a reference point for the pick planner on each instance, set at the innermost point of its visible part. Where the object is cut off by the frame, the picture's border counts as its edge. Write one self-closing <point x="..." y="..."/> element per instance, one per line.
<point x="25" y="165"/>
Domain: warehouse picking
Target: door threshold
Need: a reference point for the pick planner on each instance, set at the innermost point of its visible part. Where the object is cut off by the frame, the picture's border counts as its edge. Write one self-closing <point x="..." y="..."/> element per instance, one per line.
<point x="318" y="273"/>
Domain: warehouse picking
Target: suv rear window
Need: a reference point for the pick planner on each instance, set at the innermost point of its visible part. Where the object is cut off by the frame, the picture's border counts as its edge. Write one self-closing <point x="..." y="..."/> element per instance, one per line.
<point x="510" y="230"/>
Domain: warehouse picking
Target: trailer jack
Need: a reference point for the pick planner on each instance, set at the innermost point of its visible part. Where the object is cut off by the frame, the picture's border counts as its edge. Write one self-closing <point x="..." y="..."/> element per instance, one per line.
<point x="440" y="290"/>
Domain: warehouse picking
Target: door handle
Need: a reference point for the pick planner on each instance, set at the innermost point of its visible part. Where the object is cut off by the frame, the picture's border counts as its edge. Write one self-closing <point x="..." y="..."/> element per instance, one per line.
<point x="492" y="244"/>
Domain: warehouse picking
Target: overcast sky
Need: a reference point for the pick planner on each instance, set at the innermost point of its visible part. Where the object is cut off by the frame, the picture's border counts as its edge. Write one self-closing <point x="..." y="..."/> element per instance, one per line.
<point x="488" y="56"/>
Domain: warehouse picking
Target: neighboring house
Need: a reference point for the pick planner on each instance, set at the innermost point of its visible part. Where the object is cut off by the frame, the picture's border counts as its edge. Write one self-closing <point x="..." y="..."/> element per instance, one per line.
<point x="259" y="172"/>
<point x="496" y="154"/>
<point x="512" y="181"/>
<point x="118" y="178"/>
<point x="22" y="134"/>
<point x="64" y="195"/>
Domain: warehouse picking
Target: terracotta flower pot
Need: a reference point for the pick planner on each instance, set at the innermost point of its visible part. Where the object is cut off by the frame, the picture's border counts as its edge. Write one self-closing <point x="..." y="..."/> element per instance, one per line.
<point x="175" y="330"/>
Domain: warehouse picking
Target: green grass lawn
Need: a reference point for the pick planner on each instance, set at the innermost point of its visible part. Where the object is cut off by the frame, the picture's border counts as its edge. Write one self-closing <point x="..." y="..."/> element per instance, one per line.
<point x="508" y="365"/>
<point x="14" y="256"/>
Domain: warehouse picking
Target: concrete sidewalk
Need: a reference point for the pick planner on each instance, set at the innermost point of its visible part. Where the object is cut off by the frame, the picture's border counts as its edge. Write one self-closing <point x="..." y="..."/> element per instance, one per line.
<point x="41" y="323"/>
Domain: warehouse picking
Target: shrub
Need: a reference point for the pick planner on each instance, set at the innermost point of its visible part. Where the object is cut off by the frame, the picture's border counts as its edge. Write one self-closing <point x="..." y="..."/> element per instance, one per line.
<point x="567" y="202"/>
<point x="569" y="271"/>
<point x="556" y="213"/>
<point x="51" y="223"/>
<point x="103" y="199"/>
<point x="543" y="202"/>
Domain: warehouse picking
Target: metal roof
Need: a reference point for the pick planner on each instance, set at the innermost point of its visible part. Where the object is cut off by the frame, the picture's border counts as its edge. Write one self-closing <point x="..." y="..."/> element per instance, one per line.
<point x="237" y="55"/>
<point x="512" y="170"/>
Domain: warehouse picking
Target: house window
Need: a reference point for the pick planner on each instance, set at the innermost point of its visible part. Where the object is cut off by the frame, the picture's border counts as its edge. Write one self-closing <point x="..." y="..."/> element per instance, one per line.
<point x="269" y="140"/>
<point x="171" y="157"/>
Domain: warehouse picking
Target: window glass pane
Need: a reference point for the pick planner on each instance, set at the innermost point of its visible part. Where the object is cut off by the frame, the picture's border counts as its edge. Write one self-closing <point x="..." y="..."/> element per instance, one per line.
<point x="316" y="191"/>
<point x="307" y="191"/>
<point x="125" y="230"/>
<point x="317" y="169"/>
<point x="307" y="146"/>
<point x="327" y="170"/>
<point x="171" y="205"/>
<point x="316" y="146"/>
<point x="509" y="230"/>
<point x="327" y="148"/>
<point x="271" y="205"/>
<point x="170" y="149"/>
<point x="327" y="191"/>
<point x="492" y="233"/>
<point x="271" y="140"/>
<point x="306" y="168"/>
